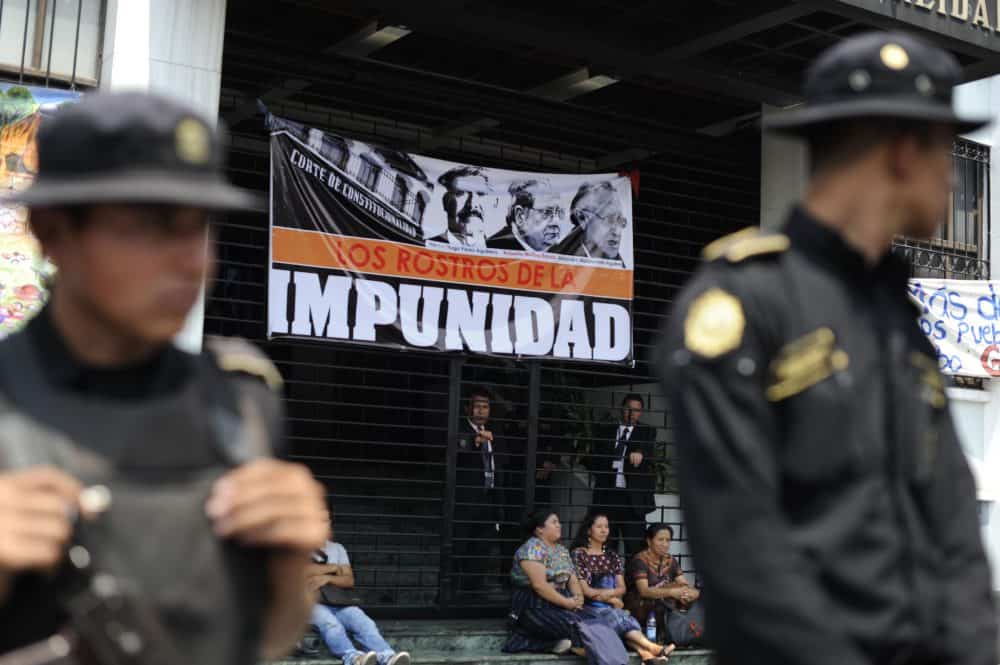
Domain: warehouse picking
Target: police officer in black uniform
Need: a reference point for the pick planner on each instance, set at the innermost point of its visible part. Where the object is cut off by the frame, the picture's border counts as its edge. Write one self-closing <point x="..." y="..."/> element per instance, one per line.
<point x="186" y="505"/>
<point x="831" y="511"/>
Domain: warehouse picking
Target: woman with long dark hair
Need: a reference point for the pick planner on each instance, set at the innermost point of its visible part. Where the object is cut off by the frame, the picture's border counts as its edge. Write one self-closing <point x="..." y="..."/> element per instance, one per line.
<point x="601" y="571"/>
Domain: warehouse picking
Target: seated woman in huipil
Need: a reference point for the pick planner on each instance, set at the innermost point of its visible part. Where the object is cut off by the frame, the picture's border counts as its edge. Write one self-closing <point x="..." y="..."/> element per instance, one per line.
<point x="547" y="597"/>
<point x="656" y="582"/>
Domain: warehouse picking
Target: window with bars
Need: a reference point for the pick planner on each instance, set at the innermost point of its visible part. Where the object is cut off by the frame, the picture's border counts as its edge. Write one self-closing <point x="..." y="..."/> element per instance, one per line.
<point x="368" y="174"/>
<point x="960" y="249"/>
<point x="50" y="41"/>
<point x="400" y="192"/>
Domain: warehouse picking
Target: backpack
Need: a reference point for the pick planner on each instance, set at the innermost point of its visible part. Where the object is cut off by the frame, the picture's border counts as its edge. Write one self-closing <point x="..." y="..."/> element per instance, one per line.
<point x="686" y="627"/>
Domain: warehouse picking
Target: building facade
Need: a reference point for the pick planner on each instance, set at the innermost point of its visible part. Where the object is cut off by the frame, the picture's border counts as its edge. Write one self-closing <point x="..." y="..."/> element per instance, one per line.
<point x="672" y="98"/>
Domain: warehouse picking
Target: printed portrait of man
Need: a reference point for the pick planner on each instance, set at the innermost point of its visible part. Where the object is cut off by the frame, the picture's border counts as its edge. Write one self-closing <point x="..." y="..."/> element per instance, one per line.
<point x="598" y="223"/>
<point x="462" y="200"/>
<point x="536" y="219"/>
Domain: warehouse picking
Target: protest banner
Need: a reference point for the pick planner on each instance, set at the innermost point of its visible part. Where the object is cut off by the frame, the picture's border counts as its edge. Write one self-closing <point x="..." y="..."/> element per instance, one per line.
<point x="377" y="246"/>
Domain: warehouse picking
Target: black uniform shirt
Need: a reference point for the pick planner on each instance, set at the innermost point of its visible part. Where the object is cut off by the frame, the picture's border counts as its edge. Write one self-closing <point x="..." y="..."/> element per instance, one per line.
<point x="114" y="412"/>
<point x="831" y="511"/>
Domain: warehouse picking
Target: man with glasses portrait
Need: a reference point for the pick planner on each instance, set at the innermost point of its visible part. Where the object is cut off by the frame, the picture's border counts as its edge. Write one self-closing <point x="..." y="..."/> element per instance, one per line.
<point x="535" y="221"/>
<point x="599" y="223"/>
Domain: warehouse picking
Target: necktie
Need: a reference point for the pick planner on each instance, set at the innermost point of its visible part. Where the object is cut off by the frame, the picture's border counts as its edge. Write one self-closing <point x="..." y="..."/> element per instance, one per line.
<point x="487" y="461"/>
<point x="622" y="443"/>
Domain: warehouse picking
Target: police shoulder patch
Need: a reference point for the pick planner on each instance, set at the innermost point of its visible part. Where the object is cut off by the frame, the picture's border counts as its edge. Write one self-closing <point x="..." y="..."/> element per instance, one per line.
<point x="714" y="324"/>
<point x="739" y="246"/>
<point x="240" y="356"/>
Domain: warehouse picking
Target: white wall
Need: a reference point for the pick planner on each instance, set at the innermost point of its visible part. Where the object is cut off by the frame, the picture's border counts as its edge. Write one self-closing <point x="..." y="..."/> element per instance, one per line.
<point x="173" y="47"/>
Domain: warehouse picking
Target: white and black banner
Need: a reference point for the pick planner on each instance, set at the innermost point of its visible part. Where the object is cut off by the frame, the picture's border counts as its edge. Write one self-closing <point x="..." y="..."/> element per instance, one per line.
<point x="377" y="246"/>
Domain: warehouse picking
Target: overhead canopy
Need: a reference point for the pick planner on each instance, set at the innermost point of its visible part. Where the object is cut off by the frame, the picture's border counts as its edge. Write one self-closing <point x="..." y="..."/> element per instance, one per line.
<point x="697" y="67"/>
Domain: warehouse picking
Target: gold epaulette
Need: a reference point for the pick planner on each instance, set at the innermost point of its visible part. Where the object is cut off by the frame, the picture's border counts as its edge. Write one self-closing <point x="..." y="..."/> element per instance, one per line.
<point x="742" y="245"/>
<point x="238" y="355"/>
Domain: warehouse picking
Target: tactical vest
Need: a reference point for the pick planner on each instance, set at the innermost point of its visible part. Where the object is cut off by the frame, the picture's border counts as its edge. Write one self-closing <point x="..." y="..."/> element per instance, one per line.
<point x="159" y="458"/>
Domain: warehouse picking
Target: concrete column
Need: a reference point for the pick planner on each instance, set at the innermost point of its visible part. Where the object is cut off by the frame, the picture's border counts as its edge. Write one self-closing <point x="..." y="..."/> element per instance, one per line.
<point x="173" y="47"/>
<point x="784" y="171"/>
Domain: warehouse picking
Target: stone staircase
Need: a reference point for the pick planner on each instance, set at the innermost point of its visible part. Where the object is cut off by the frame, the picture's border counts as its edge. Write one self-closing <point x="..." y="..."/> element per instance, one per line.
<point x="473" y="642"/>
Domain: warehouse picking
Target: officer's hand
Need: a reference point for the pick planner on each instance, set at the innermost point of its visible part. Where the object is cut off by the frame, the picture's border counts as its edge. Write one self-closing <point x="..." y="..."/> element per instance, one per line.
<point x="35" y="510"/>
<point x="486" y="435"/>
<point x="635" y="459"/>
<point x="270" y="503"/>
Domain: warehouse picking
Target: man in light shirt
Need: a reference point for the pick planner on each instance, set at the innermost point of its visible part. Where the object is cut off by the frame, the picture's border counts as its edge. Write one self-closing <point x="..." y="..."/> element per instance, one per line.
<point x="340" y="622"/>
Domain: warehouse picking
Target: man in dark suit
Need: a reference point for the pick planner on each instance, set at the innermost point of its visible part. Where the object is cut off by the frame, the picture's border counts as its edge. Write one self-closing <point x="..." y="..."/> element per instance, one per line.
<point x="478" y="496"/>
<point x="624" y="478"/>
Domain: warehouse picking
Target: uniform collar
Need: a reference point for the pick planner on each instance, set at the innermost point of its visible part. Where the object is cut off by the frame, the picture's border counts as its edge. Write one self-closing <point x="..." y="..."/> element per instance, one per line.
<point x="828" y="248"/>
<point x="166" y="371"/>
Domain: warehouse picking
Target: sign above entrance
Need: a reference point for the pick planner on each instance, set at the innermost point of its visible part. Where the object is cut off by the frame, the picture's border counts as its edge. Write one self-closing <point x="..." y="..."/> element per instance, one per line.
<point x="376" y="246"/>
<point x="970" y="21"/>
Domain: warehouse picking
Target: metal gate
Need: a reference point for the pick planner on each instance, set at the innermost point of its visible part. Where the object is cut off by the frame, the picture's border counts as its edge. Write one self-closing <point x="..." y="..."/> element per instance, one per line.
<point x="380" y="428"/>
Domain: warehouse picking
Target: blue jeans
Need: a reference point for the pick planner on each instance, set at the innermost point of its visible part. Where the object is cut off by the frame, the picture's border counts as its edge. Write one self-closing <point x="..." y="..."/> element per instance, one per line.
<point x="338" y="625"/>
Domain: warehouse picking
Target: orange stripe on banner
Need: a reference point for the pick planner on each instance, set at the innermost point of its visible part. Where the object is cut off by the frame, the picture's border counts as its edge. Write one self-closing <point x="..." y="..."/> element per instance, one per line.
<point x="379" y="257"/>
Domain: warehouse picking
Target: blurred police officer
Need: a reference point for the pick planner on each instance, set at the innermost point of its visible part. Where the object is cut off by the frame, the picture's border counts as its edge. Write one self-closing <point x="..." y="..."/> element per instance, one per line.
<point x="214" y="532"/>
<point x="832" y="513"/>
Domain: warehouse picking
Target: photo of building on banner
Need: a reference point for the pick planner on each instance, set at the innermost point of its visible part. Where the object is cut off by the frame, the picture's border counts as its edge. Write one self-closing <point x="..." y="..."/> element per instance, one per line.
<point x="961" y="318"/>
<point x="22" y="268"/>
<point x="378" y="246"/>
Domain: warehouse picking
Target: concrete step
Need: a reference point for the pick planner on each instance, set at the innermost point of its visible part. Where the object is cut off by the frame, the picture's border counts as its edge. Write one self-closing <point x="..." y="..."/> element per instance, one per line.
<point x="679" y="657"/>
<point x="473" y="642"/>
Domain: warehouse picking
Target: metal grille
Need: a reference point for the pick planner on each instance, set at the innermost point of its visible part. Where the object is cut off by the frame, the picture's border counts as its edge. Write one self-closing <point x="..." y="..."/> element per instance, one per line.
<point x="380" y="428"/>
<point x="51" y="42"/>
<point x="961" y="248"/>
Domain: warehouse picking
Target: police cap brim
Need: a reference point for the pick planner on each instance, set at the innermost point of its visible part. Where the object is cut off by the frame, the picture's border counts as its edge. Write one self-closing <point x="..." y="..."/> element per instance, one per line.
<point x="807" y="120"/>
<point x="138" y="187"/>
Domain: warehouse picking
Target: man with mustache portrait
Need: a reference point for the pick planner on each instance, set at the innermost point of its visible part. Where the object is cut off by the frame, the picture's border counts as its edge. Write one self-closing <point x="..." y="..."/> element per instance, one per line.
<point x="464" y="189"/>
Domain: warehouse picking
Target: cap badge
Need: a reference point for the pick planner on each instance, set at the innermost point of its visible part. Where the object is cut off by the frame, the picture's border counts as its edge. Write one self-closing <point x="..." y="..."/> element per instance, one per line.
<point x="894" y="56"/>
<point x="192" y="141"/>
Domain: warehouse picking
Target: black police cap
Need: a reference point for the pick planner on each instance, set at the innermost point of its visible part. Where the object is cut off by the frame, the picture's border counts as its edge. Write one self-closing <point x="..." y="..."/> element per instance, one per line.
<point x="878" y="75"/>
<point x="131" y="147"/>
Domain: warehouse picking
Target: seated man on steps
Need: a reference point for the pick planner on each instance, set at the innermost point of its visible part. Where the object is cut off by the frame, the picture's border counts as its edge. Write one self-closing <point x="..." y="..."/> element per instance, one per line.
<point x="338" y="618"/>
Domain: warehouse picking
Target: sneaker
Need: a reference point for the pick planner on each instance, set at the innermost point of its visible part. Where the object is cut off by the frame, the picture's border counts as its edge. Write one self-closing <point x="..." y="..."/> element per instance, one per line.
<point x="400" y="658"/>
<point x="561" y="647"/>
<point x="370" y="658"/>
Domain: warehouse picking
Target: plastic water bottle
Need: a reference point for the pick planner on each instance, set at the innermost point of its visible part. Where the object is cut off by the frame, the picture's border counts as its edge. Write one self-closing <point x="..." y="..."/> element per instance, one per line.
<point x="651" y="627"/>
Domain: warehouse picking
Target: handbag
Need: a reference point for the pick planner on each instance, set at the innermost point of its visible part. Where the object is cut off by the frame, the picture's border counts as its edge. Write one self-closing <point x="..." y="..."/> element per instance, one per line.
<point x="686" y="627"/>
<point x="600" y="642"/>
<point x="337" y="597"/>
